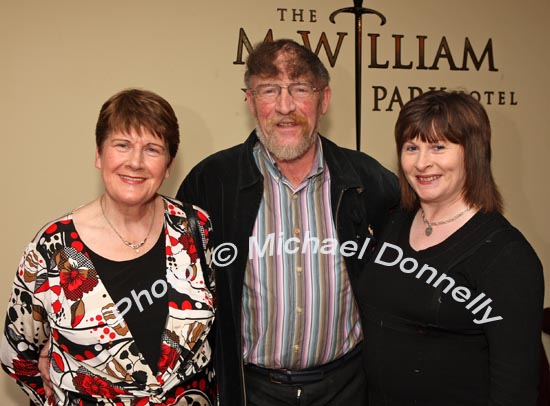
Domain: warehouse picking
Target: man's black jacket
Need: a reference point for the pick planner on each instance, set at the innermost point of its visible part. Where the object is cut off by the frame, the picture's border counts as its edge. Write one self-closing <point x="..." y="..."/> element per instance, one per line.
<point x="229" y="186"/>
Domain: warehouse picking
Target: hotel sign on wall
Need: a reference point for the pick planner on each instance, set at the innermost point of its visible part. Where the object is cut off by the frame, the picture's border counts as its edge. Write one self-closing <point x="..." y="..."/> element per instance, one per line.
<point x="447" y="56"/>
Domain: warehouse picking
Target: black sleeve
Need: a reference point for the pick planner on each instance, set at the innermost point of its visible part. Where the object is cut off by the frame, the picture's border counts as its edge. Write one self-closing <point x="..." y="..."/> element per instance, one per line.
<point x="514" y="280"/>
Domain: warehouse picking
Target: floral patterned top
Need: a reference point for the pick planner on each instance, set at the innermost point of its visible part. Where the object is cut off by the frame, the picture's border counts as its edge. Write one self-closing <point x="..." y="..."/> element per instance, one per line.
<point x="57" y="296"/>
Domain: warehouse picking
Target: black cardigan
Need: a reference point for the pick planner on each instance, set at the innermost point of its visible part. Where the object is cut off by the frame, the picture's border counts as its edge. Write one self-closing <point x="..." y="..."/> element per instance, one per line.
<point x="471" y="339"/>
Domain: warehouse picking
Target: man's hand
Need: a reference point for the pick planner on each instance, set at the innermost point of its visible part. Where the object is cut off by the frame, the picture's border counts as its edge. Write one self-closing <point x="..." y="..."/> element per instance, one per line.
<point x="44" y="369"/>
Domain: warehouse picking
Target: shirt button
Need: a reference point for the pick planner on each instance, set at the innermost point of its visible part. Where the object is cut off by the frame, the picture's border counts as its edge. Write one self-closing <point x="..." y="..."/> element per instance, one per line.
<point x="296" y="231"/>
<point x="299" y="269"/>
<point x="296" y="347"/>
<point x="294" y="196"/>
<point x="299" y="310"/>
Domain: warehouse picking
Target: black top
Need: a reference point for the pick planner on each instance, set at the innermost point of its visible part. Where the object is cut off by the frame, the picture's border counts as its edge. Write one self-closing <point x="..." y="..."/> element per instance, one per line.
<point x="455" y="324"/>
<point x="136" y="287"/>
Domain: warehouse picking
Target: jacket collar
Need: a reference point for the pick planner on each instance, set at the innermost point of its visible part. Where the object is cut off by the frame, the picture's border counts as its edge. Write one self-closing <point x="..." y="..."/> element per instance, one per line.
<point x="250" y="173"/>
<point x="342" y="172"/>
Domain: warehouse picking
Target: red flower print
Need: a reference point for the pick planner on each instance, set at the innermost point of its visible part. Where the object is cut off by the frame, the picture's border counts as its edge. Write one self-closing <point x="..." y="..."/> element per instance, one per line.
<point x="25" y="367"/>
<point x="168" y="356"/>
<point x="189" y="244"/>
<point x="75" y="282"/>
<point x="94" y="385"/>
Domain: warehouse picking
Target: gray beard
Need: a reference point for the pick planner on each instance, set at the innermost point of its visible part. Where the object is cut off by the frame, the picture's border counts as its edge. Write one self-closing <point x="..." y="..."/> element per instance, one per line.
<point x="287" y="152"/>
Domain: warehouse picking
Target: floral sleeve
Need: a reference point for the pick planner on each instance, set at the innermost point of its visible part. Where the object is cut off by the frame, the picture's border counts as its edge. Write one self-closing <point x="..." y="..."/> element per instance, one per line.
<point x="26" y="328"/>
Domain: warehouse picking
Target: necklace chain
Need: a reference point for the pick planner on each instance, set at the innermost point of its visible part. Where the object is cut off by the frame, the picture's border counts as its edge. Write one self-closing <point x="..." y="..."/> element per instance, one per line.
<point x="135" y="246"/>
<point x="429" y="226"/>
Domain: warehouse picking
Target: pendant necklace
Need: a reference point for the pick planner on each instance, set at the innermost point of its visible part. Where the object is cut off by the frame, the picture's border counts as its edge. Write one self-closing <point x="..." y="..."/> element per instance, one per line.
<point x="429" y="226"/>
<point x="135" y="246"/>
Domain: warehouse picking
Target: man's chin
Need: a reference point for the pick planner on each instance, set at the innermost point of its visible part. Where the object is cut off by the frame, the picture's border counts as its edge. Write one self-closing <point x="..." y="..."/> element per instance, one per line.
<point x="290" y="151"/>
<point x="287" y="146"/>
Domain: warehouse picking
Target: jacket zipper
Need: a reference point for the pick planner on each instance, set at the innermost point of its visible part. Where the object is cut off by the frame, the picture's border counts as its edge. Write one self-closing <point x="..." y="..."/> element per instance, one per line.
<point x="336" y="213"/>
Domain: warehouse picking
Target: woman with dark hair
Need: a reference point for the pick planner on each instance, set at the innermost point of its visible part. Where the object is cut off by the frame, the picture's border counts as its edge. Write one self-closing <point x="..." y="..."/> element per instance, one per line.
<point x="112" y="303"/>
<point x="452" y="298"/>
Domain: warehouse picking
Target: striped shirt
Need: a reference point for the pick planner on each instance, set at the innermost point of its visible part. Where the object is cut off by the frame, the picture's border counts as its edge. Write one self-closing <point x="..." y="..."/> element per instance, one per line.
<point x="298" y="306"/>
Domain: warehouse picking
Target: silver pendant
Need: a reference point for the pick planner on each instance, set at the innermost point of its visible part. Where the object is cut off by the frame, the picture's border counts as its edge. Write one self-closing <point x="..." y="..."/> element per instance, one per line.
<point x="428" y="231"/>
<point x="135" y="246"/>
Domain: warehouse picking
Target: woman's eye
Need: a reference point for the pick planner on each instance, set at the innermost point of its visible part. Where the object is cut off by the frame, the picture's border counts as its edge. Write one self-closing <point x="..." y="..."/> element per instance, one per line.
<point x="154" y="150"/>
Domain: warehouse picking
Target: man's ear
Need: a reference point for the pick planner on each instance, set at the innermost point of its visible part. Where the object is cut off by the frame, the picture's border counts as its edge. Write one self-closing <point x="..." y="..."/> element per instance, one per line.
<point x="250" y="102"/>
<point x="327" y="93"/>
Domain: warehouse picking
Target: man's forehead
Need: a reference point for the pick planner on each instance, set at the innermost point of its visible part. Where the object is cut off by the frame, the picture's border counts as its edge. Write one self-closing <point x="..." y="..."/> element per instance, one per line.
<point x="288" y="64"/>
<point x="282" y="77"/>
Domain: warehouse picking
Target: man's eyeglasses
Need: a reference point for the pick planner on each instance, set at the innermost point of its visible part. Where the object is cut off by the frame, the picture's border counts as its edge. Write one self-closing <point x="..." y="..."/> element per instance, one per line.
<point x="270" y="91"/>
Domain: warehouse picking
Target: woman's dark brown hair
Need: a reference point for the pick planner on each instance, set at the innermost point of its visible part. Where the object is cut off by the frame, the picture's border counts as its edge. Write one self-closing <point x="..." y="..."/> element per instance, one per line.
<point x="458" y="118"/>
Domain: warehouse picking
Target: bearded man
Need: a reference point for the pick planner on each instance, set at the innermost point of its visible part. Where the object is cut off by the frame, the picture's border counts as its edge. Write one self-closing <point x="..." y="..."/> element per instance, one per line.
<point x="288" y="328"/>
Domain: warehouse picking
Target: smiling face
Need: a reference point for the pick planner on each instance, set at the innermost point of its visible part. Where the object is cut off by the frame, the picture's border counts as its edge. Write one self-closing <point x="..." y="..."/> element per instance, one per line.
<point x="133" y="166"/>
<point x="287" y="127"/>
<point x="435" y="171"/>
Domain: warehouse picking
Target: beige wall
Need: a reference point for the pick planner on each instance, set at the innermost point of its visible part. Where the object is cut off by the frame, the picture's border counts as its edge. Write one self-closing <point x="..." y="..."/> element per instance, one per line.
<point x="61" y="59"/>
